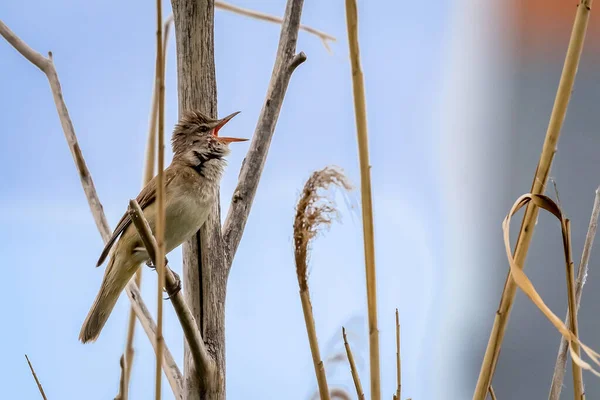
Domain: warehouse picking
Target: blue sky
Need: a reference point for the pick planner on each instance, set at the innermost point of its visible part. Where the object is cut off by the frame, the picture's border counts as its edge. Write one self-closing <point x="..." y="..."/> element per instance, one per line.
<point x="104" y="54"/>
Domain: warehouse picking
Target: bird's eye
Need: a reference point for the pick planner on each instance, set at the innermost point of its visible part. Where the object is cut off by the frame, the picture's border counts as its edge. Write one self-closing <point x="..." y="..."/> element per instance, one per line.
<point x="203" y="128"/>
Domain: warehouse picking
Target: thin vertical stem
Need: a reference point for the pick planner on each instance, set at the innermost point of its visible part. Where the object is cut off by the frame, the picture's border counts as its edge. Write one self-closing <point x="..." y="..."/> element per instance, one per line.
<point x="398" y="364"/>
<point x="160" y="198"/>
<point x="353" y="370"/>
<point x="559" y="110"/>
<point x="577" y="374"/>
<point x="360" y="111"/>
<point x="314" y="344"/>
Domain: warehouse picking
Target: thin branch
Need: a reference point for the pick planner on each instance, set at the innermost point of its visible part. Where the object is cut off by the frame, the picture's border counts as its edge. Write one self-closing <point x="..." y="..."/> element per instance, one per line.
<point x="148" y="175"/>
<point x="159" y="262"/>
<point x="570" y="270"/>
<point x="492" y="393"/>
<point x="353" y="370"/>
<point x="398" y="364"/>
<point x="204" y="362"/>
<point x="286" y="62"/>
<point x="325" y="37"/>
<point x="559" y="110"/>
<point x="561" y="358"/>
<point x="360" y="112"/>
<point x="37" y="381"/>
<point x="123" y="389"/>
<point x="169" y="366"/>
<point x="47" y="66"/>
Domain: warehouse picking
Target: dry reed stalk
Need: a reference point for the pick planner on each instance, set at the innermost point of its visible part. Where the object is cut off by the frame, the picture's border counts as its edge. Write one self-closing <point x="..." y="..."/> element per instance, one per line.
<point x="160" y="198"/>
<point x="557" y="117"/>
<point x="46" y="65"/>
<point x="123" y="392"/>
<point x="353" y="370"/>
<point x="149" y="162"/>
<point x="574" y="327"/>
<point x="325" y="37"/>
<point x="492" y="393"/>
<point x="561" y="358"/>
<point x="398" y="364"/>
<point x="37" y="381"/>
<point x="313" y="212"/>
<point x="360" y="111"/>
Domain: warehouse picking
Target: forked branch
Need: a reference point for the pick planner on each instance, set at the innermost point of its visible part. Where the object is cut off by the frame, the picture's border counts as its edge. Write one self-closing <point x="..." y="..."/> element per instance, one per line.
<point x="285" y="64"/>
<point x="47" y="67"/>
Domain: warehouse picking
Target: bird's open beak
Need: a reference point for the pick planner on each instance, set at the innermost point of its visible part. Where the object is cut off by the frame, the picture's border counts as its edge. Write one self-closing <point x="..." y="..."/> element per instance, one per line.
<point x="222" y="123"/>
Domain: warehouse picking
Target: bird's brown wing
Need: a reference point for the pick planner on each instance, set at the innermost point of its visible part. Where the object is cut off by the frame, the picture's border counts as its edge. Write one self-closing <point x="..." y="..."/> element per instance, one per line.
<point x="144" y="199"/>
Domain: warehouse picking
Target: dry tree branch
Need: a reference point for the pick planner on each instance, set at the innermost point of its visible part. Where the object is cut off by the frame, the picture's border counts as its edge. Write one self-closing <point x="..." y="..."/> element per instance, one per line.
<point x="286" y="62"/>
<point x="204" y="362"/>
<point x="47" y="67"/>
<point x="398" y="364"/>
<point x="561" y="358"/>
<point x="557" y="117"/>
<point x="353" y="370"/>
<point x="39" y="385"/>
<point x="148" y="175"/>
<point x="313" y="212"/>
<point x="325" y="38"/>
<point x="360" y="112"/>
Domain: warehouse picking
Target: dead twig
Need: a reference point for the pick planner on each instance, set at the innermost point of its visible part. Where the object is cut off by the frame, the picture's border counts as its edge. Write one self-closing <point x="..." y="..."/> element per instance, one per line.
<point x="37" y="381"/>
<point x="353" y="370"/>
<point x="561" y="358"/>
<point x="559" y="110"/>
<point x="204" y="362"/>
<point x="325" y="38"/>
<point x="47" y="67"/>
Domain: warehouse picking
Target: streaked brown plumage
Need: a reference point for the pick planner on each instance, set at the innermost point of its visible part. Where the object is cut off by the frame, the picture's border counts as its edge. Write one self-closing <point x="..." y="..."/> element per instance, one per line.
<point x="191" y="186"/>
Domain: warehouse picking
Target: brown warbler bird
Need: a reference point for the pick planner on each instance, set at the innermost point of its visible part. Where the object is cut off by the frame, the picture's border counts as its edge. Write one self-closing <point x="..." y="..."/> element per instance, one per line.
<point x="191" y="186"/>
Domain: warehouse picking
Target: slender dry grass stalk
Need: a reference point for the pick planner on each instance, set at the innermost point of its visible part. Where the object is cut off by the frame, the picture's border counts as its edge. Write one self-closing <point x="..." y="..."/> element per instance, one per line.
<point x="557" y="117"/>
<point x="314" y="212"/>
<point x="123" y="392"/>
<point x="37" y="381"/>
<point x="160" y="197"/>
<point x="149" y="163"/>
<point x="360" y="111"/>
<point x="492" y="393"/>
<point x="353" y="370"/>
<point x="574" y="327"/>
<point x="398" y="364"/>
<point x="325" y="37"/>
<point x="561" y="358"/>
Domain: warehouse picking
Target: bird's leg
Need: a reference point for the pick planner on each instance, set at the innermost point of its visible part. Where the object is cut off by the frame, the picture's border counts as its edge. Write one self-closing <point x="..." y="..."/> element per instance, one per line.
<point x="173" y="289"/>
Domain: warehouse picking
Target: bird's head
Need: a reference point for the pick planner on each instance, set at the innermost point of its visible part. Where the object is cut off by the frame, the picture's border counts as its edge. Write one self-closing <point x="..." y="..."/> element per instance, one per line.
<point x="196" y="139"/>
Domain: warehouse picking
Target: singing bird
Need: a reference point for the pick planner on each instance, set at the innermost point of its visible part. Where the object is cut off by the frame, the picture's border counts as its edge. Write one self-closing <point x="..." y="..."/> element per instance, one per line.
<point x="191" y="186"/>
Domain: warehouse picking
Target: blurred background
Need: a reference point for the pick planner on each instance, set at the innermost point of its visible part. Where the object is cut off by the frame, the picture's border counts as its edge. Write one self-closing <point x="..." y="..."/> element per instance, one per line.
<point x="458" y="93"/>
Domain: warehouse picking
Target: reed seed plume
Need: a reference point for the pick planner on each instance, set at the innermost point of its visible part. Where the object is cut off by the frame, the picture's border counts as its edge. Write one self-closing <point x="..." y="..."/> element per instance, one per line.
<point x="315" y="210"/>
